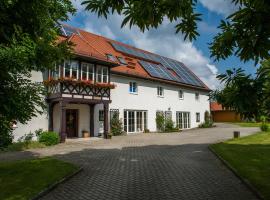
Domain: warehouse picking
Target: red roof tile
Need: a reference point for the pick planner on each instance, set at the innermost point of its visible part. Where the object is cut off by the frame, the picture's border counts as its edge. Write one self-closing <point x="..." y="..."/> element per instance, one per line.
<point x="89" y="44"/>
<point x="214" y="106"/>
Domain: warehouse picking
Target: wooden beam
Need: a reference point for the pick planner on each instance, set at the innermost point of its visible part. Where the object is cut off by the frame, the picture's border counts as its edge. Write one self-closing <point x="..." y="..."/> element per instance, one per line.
<point x="63" y="127"/>
<point x="50" y="115"/>
<point x="92" y="120"/>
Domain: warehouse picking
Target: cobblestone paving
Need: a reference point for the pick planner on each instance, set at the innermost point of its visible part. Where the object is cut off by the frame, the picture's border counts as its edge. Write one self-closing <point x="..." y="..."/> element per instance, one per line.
<point x="150" y="166"/>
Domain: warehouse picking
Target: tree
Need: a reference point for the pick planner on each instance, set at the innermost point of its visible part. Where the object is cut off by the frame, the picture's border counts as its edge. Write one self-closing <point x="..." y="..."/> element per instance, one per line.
<point x="245" y="33"/>
<point x="28" y="41"/>
<point x="249" y="96"/>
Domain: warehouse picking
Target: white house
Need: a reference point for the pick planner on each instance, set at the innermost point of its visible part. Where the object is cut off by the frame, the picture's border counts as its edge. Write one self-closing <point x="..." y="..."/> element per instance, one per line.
<point x="106" y="76"/>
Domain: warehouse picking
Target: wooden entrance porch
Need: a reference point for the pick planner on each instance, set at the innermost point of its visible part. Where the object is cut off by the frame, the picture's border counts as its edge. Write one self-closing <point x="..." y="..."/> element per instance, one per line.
<point x="69" y="127"/>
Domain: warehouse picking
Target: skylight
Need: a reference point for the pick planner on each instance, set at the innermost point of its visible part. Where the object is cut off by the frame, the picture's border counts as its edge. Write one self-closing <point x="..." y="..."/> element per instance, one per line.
<point x="122" y="60"/>
<point x="111" y="57"/>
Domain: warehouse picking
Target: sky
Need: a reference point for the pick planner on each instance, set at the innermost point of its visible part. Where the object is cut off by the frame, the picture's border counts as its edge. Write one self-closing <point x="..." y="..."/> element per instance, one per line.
<point x="164" y="41"/>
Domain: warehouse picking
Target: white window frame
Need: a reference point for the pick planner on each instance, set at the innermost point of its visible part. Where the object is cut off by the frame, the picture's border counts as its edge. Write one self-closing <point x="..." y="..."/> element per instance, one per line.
<point x="182" y="96"/>
<point x="131" y="85"/>
<point x="183" y="119"/>
<point x="88" y="66"/>
<point x="198" y="117"/>
<point x="143" y="124"/>
<point x="52" y="72"/>
<point x="71" y="62"/>
<point x="160" y="91"/>
<point x="197" y="96"/>
<point x="104" y="77"/>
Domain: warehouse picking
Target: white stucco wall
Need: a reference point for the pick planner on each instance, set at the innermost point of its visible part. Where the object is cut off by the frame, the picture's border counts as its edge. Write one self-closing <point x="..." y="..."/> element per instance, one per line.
<point x="147" y="99"/>
<point x="41" y="121"/>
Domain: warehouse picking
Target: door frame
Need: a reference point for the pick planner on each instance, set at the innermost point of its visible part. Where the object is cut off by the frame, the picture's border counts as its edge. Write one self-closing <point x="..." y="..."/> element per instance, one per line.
<point x="76" y="123"/>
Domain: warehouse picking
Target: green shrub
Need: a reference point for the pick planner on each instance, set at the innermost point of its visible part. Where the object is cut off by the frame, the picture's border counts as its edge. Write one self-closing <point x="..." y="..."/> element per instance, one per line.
<point x="116" y="125"/>
<point x="26" y="137"/>
<point x="49" y="138"/>
<point x="38" y="132"/>
<point x="5" y="139"/>
<point x="160" y="121"/>
<point x="264" y="127"/>
<point x="169" y="125"/>
<point x="146" y="130"/>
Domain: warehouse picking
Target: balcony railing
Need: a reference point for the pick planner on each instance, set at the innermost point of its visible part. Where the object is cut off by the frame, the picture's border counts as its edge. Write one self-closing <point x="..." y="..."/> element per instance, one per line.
<point x="78" y="87"/>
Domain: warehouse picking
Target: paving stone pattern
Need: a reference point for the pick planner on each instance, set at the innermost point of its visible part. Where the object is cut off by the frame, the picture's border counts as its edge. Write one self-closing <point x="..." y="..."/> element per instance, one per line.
<point x="150" y="166"/>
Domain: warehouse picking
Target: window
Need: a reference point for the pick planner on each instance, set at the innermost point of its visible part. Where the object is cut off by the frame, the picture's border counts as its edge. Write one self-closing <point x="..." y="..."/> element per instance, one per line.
<point x="168" y="115"/>
<point x="71" y="69"/>
<point x="180" y="94"/>
<point x="111" y="57"/>
<point x="135" y="121"/>
<point x="101" y="115"/>
<point x="197" y="96"/>
<point x="114" y="113"/>
<point x="198" y="117"/>
<point x="183" y="120"/>
<point x="55" y="72"/>
<point x="102" y="74"/>
<point x="160" y="91"/>
<point x="87" y="71"/>
<point x="133" y="87"/>
<point x="122" y="60"/>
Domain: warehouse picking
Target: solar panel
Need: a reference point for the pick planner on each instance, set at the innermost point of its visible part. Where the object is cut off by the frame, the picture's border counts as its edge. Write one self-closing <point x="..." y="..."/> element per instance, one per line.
<point x="158" y="71"/>
<point x="161" y="70"/>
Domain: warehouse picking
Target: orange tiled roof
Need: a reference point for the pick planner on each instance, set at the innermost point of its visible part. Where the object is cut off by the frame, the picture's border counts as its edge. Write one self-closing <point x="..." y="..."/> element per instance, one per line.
<point x="92" y="45"/>
<point x="214" y="106"/>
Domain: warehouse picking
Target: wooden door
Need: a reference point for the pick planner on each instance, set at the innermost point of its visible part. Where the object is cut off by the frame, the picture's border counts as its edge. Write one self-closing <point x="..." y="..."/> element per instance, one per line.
<point x="72" y="123"/>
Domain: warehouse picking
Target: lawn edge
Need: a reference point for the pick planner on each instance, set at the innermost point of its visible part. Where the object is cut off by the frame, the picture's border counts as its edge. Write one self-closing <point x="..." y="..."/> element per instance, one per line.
<point x="233" y="170"/>
<point x="54" y="185"/>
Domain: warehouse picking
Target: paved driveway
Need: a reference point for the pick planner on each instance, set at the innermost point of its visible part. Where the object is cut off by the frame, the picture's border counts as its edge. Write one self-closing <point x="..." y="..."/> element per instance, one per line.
<point x="150" y="166"/>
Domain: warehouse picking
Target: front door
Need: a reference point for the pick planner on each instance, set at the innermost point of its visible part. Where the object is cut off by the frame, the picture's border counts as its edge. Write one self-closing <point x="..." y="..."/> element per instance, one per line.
<point x="72" y="123"/>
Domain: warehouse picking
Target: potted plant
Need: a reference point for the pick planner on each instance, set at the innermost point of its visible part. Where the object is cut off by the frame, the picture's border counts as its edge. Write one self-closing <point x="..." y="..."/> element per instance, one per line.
<point x="85" y="133"/>
<point x="109" y="136"/>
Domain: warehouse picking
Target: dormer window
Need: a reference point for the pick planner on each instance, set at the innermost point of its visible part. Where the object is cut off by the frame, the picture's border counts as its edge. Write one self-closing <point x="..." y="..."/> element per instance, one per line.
<point x="122" y="60"/>
<point x="111" y="57"/>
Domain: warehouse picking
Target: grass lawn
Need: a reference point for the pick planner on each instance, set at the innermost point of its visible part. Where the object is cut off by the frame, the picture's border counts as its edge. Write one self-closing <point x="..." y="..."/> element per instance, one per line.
<point x="249" y="124"/>
<point x="21" y="146"/>
<point x="250" y="157"/>
<point x="25" y="179"/>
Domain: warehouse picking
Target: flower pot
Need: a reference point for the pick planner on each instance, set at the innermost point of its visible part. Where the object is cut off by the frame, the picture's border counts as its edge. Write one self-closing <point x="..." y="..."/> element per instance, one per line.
<point x="86" y="134"/>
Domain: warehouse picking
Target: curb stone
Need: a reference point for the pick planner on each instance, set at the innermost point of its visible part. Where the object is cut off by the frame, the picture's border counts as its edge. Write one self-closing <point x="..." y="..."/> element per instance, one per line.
<point x="233" y="170"/>
<point x="54" y="185"/>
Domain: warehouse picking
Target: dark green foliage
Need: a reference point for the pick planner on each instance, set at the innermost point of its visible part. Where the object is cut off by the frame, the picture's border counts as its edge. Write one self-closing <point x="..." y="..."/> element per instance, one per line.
<point x="208" y="123"/>
<point x="245" y="33"/>
<point x="264" y="127"/>
<point x="150" y="14"/>
<point x="26" y="137"/>
<point x="249" y="96"/>
<point x="146" y="131"/>
<point x="5" y="139"/>
<point x="49" y="138"/>
<point x="28" y="34"/>
<point x="160" y="121"/>
<point x="169" y="125"/>
<point x="116" y="125"/>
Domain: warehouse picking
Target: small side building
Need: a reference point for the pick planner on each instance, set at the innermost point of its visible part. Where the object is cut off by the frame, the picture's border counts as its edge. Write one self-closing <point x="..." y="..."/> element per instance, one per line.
<point x="221" y="114"/>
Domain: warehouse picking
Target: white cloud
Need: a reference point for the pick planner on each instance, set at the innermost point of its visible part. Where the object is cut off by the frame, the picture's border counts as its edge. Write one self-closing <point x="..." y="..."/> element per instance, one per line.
<point x="224" y="7"/>
<point x="162" y="41"/>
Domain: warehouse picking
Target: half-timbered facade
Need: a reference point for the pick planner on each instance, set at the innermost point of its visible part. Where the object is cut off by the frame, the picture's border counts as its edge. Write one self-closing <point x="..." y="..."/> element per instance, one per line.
<point x="104" y="77"/>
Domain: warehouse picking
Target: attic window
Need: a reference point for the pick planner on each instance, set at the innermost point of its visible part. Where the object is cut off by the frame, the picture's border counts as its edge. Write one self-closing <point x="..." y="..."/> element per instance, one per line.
<point x="111" y="57"/>
<point x="122" y="60"/>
